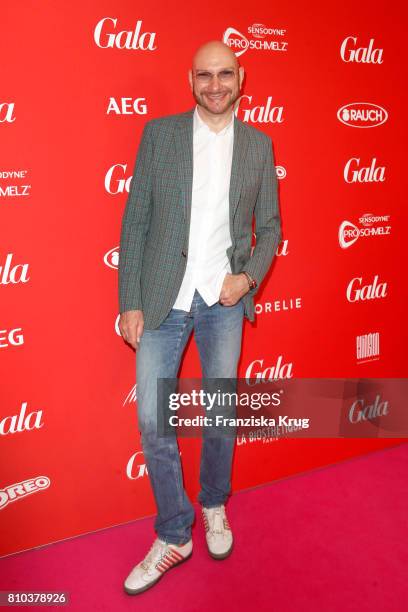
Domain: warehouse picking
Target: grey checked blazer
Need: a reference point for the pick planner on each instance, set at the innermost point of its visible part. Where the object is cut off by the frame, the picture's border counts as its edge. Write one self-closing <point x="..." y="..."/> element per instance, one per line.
<point x="155" y="225"/>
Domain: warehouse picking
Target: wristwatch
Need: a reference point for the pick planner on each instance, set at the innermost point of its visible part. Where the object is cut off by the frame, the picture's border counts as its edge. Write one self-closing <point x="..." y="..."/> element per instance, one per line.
<point x="251" y="281"/>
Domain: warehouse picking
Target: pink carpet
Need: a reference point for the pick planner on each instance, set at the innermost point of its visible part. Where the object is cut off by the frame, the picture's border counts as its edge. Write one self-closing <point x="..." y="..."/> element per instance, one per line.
<point x="334" y="539"/>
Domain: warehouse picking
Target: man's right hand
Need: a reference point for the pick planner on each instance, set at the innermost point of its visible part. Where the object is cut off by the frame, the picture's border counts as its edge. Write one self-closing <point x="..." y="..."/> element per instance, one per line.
<point x="131" y="325"/>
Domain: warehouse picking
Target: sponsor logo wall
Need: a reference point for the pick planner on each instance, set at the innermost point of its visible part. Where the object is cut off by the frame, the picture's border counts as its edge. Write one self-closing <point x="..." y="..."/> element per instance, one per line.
<point x="331" y="305"/>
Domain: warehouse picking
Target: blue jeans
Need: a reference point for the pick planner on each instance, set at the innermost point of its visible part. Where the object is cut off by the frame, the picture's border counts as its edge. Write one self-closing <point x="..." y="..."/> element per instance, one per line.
<point x="218" y="332"/>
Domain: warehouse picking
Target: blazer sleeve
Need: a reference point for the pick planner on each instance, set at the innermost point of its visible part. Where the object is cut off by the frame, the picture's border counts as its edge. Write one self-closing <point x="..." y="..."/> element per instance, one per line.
<point x="135" y="225"/>
<point x="267" y="222"/>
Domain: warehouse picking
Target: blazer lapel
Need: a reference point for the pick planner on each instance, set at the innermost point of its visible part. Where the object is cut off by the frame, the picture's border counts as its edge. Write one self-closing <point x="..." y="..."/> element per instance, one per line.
<point x="239" y="153"/>
<point x="184" y="147"/>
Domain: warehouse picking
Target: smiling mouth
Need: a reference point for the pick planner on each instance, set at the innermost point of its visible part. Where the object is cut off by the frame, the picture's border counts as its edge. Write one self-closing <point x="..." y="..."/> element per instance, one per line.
<point x="217" y="96"/>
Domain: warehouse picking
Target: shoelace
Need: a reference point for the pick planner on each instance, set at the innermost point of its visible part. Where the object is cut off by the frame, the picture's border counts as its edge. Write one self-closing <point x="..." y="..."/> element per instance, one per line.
<point x="155" y="554"/>
<point x="216" y="525"/>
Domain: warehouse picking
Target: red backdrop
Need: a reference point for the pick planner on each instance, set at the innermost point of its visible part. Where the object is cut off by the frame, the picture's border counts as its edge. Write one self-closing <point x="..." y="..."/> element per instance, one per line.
<point x="75" y="94"/>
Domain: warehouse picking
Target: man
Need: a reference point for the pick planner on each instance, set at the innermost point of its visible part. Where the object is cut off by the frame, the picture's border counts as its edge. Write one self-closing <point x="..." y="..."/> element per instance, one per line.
<point x="185" y="263"/>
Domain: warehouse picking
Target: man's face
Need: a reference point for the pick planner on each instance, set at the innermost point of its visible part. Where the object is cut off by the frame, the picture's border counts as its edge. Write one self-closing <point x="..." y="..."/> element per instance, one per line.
<point x="215" y="81"/>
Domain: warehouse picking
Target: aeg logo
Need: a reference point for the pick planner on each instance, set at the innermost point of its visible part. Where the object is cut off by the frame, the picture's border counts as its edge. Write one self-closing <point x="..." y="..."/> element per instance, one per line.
<point x="127" y="106"/>
<point x="11" y="337"/>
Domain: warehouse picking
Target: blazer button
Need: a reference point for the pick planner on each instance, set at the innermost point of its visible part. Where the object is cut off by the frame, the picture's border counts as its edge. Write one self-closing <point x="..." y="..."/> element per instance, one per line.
<point x="184" y="254"/>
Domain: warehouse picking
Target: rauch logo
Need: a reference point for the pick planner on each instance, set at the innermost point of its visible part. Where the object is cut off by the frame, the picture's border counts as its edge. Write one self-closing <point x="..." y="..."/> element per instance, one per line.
<point x="362" y="115"/>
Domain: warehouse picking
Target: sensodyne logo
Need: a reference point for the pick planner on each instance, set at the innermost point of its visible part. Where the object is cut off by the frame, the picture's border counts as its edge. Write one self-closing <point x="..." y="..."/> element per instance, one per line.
<point x="14" y="191"/>
<point x="349" y="233"/>
<point x="111" y="258"/>
<point x="235" y="39"/>
<point x="239" y="43"/>
<point x="22" y="489"/>
<point x="258" y="30"/>
<point x="368" y="219"/>
<point x="362" y="115"/>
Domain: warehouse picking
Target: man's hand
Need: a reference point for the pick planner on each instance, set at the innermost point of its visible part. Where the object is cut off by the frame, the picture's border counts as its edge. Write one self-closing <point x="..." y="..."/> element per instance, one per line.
<point x="131" y="325"/>
<point x="233" y="288"/>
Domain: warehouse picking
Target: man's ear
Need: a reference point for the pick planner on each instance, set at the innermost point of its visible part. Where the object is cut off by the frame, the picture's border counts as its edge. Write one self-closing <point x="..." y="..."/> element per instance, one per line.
<point x="190" y="78"/>
<point x="241" y="76"/>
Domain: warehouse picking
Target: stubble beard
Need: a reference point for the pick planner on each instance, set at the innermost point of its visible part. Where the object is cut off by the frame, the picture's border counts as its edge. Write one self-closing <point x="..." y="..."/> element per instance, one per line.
<point x="213" y="109"/>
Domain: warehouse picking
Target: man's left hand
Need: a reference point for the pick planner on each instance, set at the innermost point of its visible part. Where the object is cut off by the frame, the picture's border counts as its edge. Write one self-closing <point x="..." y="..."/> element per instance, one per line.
<point x="233" y="288"/>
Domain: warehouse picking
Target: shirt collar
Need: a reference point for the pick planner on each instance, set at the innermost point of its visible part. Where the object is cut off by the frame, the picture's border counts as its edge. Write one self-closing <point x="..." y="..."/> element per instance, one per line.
<point x="200" y="124"/>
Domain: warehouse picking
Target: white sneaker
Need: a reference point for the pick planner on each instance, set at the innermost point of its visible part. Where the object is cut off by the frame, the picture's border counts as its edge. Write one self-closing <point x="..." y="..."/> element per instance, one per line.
<point x="217" y="532"/>
<point x="160" y="558"/>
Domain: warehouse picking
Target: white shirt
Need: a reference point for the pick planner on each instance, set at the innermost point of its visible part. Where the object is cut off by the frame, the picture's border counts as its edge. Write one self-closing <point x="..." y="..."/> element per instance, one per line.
<point x="209" y="238"/>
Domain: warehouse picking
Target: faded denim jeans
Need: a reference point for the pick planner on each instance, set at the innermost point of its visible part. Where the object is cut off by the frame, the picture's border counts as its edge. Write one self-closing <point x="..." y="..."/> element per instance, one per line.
<point x="218" y="334"/>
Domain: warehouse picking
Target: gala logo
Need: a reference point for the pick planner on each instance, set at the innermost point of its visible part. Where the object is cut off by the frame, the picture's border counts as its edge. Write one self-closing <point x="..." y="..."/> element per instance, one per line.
<point x="357" y="291"/>
<point x="349" y="52"/>
<point x="106" y="37"/>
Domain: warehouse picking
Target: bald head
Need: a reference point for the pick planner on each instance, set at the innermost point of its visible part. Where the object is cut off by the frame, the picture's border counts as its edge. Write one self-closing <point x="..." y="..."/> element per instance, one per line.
<point x="213" y="52"/>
